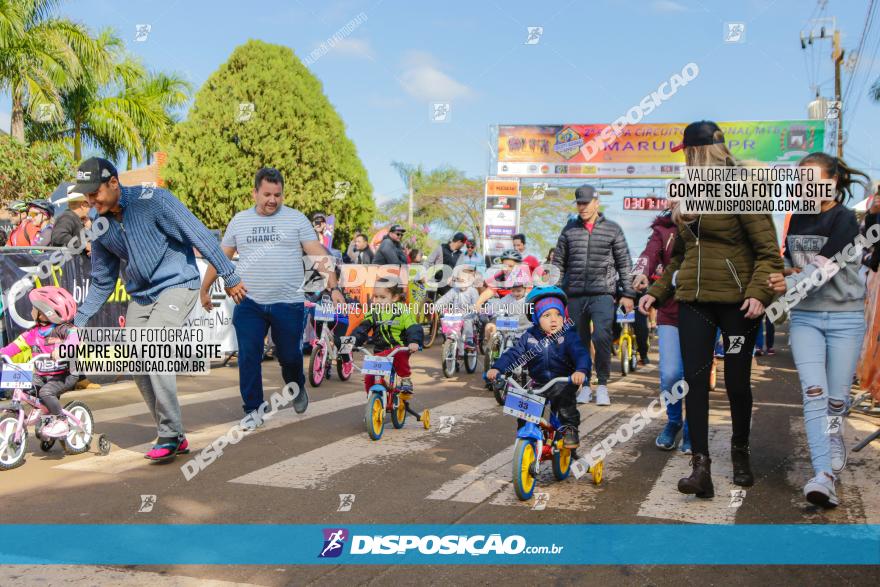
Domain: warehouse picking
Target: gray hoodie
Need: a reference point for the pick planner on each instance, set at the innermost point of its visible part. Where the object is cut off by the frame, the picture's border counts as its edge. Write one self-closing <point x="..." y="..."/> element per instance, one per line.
<point x="827" y="234"/>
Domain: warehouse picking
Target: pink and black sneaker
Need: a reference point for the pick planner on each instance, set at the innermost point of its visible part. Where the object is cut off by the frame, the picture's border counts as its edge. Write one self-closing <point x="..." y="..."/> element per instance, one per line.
<point x="166" y="451"/>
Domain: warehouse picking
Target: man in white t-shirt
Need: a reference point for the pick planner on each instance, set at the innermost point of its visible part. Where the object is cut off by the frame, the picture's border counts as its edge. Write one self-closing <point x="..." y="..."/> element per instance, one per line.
<point x="270" y="240"/>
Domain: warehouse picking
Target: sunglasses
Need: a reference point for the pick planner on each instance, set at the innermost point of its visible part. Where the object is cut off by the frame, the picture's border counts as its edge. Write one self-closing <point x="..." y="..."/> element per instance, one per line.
<point x="35" y="213"/>
<point x="398" y="233"/>
<point x="317" y="223"/>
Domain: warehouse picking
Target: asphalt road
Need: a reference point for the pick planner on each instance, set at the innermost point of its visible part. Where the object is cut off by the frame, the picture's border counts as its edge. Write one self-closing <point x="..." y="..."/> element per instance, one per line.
<point x="295" y="469"/>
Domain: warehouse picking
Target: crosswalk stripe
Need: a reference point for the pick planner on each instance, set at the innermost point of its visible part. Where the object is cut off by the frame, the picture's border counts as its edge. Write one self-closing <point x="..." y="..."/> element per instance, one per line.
<point x="120" y="460"/>
<point x="140" y="408"/>
<point x="313" y="470"/>
<point x="493" y="476"/>
<point x="665" y="502"/>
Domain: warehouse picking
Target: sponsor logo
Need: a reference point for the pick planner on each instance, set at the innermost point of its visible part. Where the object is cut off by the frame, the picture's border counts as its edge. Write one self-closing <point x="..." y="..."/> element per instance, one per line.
<point x="334" y="541"/>
<point x="568" y="143"/>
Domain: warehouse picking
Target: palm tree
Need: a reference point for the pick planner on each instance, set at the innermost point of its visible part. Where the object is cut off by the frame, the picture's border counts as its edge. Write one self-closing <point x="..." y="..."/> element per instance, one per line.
<point x="41" y="55"/>
<point x="122" y="111"/>
<point x="162" y="92"/>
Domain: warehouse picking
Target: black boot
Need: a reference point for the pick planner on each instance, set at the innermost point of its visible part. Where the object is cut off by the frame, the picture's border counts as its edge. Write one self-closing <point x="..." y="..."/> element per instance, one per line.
<point x="700" y="481"/>
<point x="742" y="470"/>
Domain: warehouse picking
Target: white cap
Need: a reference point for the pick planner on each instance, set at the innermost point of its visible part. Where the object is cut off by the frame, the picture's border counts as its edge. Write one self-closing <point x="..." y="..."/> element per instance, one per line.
<point x="72" y="196"/>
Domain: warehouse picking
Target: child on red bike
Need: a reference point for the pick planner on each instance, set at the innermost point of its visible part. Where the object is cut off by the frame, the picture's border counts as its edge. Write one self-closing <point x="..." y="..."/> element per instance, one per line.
<point x="393" y="325"/>
<point x="549" y="349"/>
<point x="53" y="309"/>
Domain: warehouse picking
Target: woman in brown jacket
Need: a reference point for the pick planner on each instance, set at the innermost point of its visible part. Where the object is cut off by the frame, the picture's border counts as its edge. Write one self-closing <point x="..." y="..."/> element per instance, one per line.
<point x="718" y="273"/>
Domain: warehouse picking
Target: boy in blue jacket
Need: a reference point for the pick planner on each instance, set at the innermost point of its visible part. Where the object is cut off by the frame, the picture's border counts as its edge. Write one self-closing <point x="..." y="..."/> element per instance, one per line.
<point x="549" y="349"/>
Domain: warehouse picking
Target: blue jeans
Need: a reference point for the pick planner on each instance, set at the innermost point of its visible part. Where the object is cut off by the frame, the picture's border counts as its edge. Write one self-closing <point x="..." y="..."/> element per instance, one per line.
<point x="826" y="348"/>
<point x="252" y="321"/>
<point x="671" y="367"/>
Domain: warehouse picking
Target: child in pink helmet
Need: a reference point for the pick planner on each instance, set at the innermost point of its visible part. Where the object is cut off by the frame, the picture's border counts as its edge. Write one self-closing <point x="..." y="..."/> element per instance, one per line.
<point x="53" y="309"/>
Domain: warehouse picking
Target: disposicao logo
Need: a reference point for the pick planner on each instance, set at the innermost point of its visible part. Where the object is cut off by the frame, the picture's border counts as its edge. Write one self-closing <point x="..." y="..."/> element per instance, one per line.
<point x="334" y="540"/>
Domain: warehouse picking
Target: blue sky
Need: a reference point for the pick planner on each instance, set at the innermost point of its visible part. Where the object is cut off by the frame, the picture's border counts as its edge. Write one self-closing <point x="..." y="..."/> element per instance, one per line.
<point x="594" y="60"/>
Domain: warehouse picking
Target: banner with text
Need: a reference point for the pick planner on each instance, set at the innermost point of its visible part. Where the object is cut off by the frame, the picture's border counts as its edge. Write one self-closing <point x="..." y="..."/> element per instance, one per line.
<point x="642" y="150"/>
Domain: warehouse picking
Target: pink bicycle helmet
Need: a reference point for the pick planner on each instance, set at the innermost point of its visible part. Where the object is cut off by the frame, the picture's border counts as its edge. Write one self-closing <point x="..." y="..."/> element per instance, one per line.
<point x="55" y="302"/>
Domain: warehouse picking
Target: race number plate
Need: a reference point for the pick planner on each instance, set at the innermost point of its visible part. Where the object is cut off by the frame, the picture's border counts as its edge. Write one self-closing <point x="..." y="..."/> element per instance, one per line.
<point x="374" y="365"/>
<point x="525" y="406"/>
<point x="17" y="376"/>
<point x="507" y="323"/>
<point x="629" y="317"/>
<point x="324" y="313"/>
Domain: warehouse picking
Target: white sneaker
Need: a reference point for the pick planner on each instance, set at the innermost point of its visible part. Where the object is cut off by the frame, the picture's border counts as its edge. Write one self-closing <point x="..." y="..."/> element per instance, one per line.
<point x="838" y="451"/>
<point x="56" y="427"/>
<point x="820" y="491"/>
<point x="602" y="398"/>
<point x="585" y="396"/>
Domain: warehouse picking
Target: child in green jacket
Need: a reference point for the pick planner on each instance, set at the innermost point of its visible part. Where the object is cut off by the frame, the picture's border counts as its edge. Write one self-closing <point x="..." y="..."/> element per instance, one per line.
<point x="393" y="325"/>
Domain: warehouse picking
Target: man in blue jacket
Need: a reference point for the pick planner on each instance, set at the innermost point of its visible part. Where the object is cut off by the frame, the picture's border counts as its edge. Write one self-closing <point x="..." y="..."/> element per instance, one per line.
<point x="154" y="233"/>
<point x="549" y="349"/>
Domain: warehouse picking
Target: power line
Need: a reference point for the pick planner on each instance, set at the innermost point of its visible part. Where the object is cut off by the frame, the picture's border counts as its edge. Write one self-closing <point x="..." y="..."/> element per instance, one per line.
<point x="869" y="22"/>
<point x="867" y="80"/>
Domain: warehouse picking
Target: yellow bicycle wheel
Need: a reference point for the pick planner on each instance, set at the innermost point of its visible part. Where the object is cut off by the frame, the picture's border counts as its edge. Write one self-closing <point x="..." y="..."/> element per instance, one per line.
<point x="561" y="462"/>
<point x="426" y="419"/>
<point x="523" y="463"/>
<point x="374" y="416"/>
<point x="596" y="470"/>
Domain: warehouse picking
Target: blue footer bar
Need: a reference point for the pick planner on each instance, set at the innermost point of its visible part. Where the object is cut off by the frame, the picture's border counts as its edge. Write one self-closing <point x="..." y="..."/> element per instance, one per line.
<point x="521" y="544"/>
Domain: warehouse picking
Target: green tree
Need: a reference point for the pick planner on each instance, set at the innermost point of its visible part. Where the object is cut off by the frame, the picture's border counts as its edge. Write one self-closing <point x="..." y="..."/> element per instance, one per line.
<point x="121" y="111"/>
<point x="542" y="219"/>
<point x="32" y="171"/>
<point x="41" y="55"/>
<point x="449" y="201"/>
<point x="444" y="198"/>
<point x="215" y="153"/>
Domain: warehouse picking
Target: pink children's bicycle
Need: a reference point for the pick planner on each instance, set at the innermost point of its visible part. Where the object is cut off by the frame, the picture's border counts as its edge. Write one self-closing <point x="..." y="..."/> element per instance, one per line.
<point x="26" y="410"/>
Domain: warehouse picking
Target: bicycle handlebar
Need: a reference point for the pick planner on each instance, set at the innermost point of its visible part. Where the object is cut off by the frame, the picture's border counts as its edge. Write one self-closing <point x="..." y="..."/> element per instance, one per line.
<point x="360" y="349"/>
<point x="539" y="391"/>
<point x="8" y="360"/>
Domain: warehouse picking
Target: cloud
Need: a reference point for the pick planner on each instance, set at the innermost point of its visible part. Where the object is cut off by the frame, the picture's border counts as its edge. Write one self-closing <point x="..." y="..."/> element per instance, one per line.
<point x="423" y="79"/>
<point x="353" y="48"/>
<point x="668" y="6"/>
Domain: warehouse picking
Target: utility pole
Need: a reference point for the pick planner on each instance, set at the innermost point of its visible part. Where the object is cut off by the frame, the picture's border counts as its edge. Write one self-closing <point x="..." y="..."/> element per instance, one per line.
<point x="410" y="200"/>
<point x="818" y="31"/>
<point x="837" y="56"/>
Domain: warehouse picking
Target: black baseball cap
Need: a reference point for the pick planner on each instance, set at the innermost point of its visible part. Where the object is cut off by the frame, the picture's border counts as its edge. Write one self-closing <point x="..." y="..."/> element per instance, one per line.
<point x="699" y="134"/>
<point x="459" y="237"/>
<point x="585" y="194"/>
<point x="396" y="228"/>
<point x="92" y="173"/>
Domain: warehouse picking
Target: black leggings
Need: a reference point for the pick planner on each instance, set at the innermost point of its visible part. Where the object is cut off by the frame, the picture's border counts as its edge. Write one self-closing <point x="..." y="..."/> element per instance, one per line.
<point x="50" y="388"/>
<point x="697" y="323"/>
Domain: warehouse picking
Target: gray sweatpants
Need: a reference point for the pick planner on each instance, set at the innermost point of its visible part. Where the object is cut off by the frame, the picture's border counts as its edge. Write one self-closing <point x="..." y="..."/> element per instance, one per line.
<point x="160" y="391"/>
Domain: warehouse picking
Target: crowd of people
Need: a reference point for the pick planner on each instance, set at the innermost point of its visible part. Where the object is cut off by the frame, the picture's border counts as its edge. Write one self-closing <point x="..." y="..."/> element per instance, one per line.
<point x="705" y="276"/>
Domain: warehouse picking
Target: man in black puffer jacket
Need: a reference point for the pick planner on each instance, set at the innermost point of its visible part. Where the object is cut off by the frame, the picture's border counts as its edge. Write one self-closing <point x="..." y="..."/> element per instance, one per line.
<point x="593" y="257"/>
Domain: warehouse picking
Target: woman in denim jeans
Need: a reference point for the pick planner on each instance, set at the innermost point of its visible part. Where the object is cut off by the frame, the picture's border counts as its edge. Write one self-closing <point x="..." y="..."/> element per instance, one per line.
<point x="649" y="265"/>
<point x="828" y="324"/>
